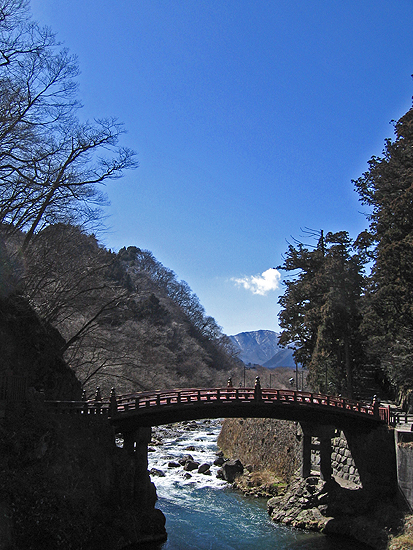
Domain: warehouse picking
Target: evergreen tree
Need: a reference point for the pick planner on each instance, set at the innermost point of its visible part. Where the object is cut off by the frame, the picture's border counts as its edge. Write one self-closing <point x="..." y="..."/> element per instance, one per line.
<point x="387" y="187"/>
<point x="321" y="311"/>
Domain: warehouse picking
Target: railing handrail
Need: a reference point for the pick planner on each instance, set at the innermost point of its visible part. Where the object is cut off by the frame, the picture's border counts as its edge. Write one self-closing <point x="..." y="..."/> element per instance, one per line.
<point x="132" y="403"/>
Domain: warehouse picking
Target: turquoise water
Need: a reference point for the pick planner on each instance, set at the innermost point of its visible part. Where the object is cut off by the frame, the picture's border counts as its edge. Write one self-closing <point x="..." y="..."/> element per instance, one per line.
<point x="204" y="513"/>
<point x="211" y="519"/>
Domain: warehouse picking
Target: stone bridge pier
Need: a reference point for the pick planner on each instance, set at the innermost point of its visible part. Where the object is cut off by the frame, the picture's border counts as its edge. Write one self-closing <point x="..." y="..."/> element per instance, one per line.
<point x="135" y="443"/>
<point x="372" y="452"/>
<point x="143" y="491"/>
<point x="324" y="435"/>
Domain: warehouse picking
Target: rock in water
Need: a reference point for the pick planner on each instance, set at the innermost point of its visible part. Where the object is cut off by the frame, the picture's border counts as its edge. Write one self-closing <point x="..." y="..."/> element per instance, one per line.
<point x="191" y="465"/>
<point x="185" y="459"/>
<point x="204" y="468"/>
<point x="156" y="472"/>
<point x="231" y="469"/>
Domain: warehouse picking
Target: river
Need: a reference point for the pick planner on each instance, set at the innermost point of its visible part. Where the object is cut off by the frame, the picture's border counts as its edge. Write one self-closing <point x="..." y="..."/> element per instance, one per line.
<point x="205" y="513"/>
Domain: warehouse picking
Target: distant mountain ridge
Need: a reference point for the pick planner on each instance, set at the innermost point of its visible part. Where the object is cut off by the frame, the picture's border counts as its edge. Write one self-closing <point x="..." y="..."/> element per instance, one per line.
<point x="261" y="347"/>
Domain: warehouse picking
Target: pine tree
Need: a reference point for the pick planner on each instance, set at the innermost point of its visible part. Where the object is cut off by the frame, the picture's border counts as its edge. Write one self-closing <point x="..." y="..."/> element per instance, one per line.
<point x="321" y="311"/>
<point x="387" y="187"/>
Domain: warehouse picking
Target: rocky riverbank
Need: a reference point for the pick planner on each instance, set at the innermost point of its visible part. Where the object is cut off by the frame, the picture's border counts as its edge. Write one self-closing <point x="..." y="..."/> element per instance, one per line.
<point x="337" y="506"/>
<point x="332" y="508"/>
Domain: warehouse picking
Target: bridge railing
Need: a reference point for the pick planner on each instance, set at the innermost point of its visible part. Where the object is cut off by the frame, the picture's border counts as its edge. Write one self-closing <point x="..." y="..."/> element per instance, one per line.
<point x="94" y="406"/>
<point x="182" y="396"/>
<point x="399" y="417"/>
<point x="80" y="407"/>
<point x="145" y="400"/>
<point x="140" y="402"/>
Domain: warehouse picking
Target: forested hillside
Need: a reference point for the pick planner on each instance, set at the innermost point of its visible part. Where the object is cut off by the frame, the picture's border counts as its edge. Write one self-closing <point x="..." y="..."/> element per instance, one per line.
<point x="125" y="319"/>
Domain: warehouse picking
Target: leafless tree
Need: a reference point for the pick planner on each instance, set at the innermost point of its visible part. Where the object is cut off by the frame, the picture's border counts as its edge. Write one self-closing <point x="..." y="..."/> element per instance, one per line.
<point x="50" y="162"/>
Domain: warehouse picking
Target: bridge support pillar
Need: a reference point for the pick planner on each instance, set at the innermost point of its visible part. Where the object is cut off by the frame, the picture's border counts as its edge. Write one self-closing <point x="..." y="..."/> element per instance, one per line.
<point x="135" y="441"/>
<point x="374" y="454"/>
<point x="324" y="435"/>
<point x="325" y="457"/>
<point x="149" y="523"/>
<point x="306" y="455"/>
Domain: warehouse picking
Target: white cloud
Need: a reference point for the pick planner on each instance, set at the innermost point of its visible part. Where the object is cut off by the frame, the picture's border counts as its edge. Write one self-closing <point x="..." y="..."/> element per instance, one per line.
<point x="260" y="284"/>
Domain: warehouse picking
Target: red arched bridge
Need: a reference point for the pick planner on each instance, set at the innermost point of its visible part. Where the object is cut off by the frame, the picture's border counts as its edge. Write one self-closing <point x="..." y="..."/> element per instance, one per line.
<point x="153" y="408"/>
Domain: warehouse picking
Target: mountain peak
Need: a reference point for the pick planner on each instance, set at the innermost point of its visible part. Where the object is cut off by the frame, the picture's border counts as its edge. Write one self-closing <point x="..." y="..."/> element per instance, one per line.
<point x="261" y="347"/>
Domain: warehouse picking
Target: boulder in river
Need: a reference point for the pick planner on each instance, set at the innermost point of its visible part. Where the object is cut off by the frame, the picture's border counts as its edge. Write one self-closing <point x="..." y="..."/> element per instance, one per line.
<point x="173" y="464"/>
<point x="156" y="472"/>
<point x="185" y="459"/>
<point x="191" y="465"/>
<point x="231" y="469"/>
<point x="204" y="468"/>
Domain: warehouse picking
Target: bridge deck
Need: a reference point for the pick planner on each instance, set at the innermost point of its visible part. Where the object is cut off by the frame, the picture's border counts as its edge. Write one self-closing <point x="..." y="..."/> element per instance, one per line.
<point x="130" y="411"/>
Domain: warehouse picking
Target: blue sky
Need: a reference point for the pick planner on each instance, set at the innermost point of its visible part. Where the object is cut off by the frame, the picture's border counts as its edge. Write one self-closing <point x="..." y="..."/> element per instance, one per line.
<point x="249" y="119"/>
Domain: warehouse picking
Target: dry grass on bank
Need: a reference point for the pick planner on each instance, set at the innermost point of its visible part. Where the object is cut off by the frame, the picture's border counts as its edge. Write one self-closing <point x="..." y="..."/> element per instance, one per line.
<point x="261" y="483"/>
<point x="405" y="540"/>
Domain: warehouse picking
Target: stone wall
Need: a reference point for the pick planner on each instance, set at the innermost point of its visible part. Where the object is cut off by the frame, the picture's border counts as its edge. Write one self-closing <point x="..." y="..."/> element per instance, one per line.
<point x="364" y="459"/>
<point x="275" y="445"/>
<point x="263" y="443"/>
<point x="404" y="455"/>
<point x="342" y="461"/>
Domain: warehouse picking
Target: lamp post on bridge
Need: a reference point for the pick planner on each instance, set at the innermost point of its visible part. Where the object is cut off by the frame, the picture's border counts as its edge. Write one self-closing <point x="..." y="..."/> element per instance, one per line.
<point x="250" y="366"/>
<point x="296" y="375"/>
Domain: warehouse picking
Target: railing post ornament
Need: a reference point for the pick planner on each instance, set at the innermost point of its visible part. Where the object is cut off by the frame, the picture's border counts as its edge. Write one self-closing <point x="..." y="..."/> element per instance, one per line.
<point x="113" y="407"/>
<point x="257" y="389"/>
<point x="376" y="405"/>
<point x="98" y="401"/>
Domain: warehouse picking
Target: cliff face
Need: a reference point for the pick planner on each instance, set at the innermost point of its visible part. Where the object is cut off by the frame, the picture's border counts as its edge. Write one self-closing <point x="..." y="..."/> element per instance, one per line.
<point x="64" y="482"/>
<point x="263" y="443"/>
<point x="33" y="349"/>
